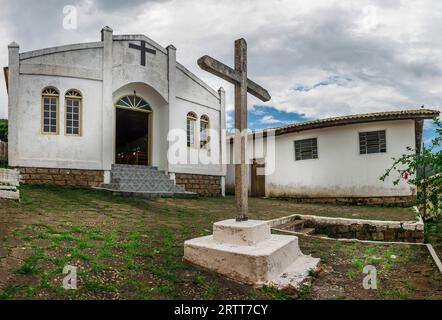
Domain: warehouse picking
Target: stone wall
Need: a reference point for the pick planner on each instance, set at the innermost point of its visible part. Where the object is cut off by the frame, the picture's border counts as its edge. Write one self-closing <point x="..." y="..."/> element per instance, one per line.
<point x="342" y="228"/>
<point x="201" y="184"/>
<point x="62" y="177"/>
<point x="405" y="201"/>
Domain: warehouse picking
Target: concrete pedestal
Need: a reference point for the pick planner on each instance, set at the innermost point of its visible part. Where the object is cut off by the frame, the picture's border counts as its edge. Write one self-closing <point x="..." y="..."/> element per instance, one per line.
<point x="248" y="253"/>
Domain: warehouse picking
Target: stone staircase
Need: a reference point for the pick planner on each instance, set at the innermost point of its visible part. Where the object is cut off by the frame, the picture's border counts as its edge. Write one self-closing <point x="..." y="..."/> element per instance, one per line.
<point x="144" y="181"/>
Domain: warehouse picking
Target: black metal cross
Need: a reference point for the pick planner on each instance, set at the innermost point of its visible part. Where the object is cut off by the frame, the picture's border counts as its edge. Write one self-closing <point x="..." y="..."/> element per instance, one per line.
<point x="143" y="50"/>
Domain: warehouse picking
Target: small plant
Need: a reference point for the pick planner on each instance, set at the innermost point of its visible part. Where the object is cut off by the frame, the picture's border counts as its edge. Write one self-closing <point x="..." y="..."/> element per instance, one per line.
<point x="422" y="169"/>
<point x="312" y="273"/>
<point x="305" y="292"/>
<point x="358" y="263"/>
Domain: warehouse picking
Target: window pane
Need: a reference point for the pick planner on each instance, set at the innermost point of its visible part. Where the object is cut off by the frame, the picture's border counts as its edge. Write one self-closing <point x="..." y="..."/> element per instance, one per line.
<point x="372" y="142"/>
<point x="306" y="149"/>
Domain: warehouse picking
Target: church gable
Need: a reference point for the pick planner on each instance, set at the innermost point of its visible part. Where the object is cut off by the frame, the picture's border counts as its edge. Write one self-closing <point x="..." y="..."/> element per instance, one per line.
<point x="139" y="59"/>
<point x="191" y="88"/>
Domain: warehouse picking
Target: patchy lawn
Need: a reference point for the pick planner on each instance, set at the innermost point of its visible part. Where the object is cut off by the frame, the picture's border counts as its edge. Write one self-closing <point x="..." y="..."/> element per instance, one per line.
<point x="132" y="249"/>
<point x="261" y="207"/>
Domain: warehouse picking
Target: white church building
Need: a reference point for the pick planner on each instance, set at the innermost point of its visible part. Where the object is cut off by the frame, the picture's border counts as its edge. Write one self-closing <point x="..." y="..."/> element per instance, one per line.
<point x="96" y="114"/>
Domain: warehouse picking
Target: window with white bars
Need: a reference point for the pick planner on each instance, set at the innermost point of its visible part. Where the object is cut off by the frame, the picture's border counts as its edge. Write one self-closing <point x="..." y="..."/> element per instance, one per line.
<point x="49" y="98"/>
<point x="306" y="149"/>
<point x="372" y="142"/>
<point x="73" y="112"/>
<point x="191" y="124"/>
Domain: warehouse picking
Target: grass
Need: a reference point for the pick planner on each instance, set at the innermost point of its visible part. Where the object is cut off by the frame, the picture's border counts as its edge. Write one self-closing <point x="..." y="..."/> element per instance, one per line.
<point x="433" y="234"/>
<point x="127" y="248"/>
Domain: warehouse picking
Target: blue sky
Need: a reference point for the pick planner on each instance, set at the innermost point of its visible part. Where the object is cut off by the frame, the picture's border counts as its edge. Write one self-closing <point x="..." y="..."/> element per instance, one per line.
<point x="260" y="117"/>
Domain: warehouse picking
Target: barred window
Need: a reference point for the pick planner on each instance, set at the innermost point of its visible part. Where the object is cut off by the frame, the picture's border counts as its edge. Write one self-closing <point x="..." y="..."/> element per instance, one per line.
<point x="204" y="131"/>
<point x="73" y="101"/>
<point x="49" y="124"/>
<point x="306" y="149"/>
<point x="191" y="124"/>
<point x="372" y="142"/>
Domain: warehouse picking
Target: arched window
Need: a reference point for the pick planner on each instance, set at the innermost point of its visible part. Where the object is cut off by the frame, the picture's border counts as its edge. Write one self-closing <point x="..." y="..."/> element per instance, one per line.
<point x="191" y="124"/>
<point x="49" y="102"/>
<point x="133" y="102"/>
<point x="204" y="131"/>
<point x="73" y="102"/>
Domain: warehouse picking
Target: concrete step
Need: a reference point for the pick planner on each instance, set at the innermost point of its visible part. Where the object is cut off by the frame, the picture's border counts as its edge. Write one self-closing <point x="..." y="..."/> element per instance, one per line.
<point x="126" y="167"/>
<point x="296" y="273"/>
<point x="307" y="231"/>
<point x="148" y="195"/>
<point x="138" y="176"/>
<point x="295" y="225"/>
<point x="144" y="179"/>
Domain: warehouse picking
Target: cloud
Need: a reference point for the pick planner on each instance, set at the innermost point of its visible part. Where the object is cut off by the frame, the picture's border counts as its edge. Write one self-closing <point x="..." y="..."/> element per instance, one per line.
<point x="331" y="80"/>
<point x="268" y="119"/>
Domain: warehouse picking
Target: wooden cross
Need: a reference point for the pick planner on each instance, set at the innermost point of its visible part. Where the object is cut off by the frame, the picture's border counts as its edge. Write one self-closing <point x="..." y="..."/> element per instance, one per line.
<point x="143" y="50"/>
<point x="238" y="77"/>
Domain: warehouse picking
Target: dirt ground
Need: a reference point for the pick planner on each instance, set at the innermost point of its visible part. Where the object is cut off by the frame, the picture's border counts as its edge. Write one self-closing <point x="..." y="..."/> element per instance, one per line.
<point x="132" y="249"/>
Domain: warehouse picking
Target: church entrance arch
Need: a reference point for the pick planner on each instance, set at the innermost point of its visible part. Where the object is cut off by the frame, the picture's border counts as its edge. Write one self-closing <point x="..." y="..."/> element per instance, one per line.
<point x="133" y="136"/>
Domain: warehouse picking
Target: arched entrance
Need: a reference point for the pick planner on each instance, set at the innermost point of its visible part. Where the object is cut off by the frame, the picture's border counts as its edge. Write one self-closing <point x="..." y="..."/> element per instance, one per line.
<point x="133" y="136"/>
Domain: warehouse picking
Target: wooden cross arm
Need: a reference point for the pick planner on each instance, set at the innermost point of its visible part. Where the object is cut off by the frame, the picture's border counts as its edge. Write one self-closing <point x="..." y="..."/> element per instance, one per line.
<point x="225" y="72"/>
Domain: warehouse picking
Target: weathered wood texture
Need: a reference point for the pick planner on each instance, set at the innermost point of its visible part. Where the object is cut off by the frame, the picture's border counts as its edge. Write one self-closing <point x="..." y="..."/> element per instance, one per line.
<point x="9" y="180"/>
<point x="238" y="77"/>
<point x="9" y="177"/>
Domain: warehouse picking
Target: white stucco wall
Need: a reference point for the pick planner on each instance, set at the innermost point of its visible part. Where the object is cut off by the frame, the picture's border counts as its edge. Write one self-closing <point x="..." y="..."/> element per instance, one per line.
<point x="339" y="170"/>
<point x="58" y="151"/>
<point x="64" y="70"/>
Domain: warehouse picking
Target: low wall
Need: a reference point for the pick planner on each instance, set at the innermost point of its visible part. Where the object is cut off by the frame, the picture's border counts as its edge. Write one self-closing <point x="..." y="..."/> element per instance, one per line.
<point x="404" y="201"/>
<point x="397" y="201"/>
<point x="200" y="184"/>
<point x="62" y="177"/>
<point x="375" y="230"/>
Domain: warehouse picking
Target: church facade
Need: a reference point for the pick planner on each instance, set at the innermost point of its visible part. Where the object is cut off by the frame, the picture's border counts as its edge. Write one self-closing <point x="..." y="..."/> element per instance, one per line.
<point x="77" y="111"/>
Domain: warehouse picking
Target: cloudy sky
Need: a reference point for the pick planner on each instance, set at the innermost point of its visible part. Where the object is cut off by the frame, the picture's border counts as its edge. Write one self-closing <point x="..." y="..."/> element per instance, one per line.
<point x="316" y="58"/>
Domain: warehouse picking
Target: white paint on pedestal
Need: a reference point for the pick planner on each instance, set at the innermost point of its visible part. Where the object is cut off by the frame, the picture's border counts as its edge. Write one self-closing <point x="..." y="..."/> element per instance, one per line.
<point x="247" y="252"/>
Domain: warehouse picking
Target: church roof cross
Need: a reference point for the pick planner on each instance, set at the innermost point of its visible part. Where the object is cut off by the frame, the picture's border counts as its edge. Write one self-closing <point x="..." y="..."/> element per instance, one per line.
<point x="142" y="47"/>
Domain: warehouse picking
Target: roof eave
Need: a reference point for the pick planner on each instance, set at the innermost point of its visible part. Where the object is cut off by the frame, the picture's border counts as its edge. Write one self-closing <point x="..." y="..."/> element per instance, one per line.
<point x="343" y="122"/>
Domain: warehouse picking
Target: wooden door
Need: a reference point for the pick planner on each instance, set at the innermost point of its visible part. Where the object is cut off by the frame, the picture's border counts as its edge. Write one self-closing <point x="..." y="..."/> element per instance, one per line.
<point x="258" y="181"/>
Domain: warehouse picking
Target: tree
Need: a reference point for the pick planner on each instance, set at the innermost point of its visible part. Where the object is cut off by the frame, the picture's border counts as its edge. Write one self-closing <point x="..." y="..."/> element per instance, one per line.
<point x="4" y="130"/>
<point x="425" y="172"/>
